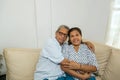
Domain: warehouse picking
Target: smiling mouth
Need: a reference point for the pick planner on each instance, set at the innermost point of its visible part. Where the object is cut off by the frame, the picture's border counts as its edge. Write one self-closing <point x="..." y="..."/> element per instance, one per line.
<point x="76" y="41"/>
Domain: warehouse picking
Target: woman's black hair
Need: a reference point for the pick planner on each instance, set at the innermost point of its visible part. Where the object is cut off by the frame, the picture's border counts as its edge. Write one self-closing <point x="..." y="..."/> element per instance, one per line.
<point x="72" y="29"/>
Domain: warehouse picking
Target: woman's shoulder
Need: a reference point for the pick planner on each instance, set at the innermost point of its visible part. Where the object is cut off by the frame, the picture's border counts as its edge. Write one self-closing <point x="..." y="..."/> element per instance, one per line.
<point x="83" y="46"/>
<point x="86" y="49"/>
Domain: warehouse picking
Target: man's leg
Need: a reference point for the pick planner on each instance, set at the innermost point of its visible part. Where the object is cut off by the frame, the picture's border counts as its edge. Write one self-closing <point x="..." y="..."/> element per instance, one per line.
<point x="61" y="78"/>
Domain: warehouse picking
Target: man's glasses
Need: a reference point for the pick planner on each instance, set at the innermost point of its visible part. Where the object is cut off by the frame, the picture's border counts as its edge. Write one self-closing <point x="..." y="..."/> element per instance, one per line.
<point x="62" y="34"/>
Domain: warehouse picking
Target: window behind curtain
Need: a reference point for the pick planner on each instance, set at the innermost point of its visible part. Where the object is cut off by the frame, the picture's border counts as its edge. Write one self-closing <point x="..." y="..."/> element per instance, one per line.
<point x="113" y="33"/>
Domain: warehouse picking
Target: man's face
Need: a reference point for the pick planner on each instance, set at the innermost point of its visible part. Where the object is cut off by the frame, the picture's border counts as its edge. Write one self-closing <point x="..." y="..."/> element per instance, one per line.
<point x="61" y="35"/>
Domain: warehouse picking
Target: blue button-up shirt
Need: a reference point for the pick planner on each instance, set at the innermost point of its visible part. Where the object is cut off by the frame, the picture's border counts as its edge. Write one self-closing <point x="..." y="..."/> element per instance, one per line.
<point x="48" y="65"/>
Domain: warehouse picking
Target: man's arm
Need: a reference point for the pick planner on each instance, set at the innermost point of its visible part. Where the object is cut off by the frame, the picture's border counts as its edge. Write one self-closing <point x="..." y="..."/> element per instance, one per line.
<point x="76" y="66"/>
<point x="75" y="74"/>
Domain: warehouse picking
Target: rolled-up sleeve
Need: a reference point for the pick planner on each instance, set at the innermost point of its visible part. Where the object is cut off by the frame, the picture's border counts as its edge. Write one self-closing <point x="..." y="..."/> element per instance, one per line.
<point x="52" y="51"/>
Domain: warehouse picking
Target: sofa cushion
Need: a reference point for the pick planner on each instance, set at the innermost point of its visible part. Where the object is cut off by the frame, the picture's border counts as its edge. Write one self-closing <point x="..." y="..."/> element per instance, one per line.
<point x="102" y="53"/>
<point x="112" y="71"/>
<point x="21" y="63"/>
<point x="98" y="78"/>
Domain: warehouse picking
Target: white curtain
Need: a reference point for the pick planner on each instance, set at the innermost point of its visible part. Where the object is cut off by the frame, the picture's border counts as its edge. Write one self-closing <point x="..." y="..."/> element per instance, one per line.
<point x="113" y="32"/>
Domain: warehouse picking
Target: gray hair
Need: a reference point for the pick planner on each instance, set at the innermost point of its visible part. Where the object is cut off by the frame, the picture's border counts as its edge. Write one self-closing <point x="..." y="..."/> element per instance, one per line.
<point x="62" y="26"/>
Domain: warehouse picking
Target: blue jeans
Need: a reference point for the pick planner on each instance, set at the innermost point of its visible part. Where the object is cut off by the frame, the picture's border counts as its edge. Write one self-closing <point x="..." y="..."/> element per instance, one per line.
<point x="69" y="77"/>
<point x="92" y="78"/>
<point x="60" y="78"/>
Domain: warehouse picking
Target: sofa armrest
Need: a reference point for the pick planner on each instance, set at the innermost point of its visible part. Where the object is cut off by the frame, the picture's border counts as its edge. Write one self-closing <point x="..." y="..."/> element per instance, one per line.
<point x="21" y="63"/>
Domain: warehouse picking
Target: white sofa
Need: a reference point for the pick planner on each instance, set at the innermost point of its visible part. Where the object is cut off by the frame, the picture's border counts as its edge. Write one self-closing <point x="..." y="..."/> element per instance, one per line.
<point x="21" y="62"/>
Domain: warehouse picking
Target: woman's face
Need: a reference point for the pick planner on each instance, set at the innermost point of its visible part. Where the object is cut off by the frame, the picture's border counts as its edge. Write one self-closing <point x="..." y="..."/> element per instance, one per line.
<point x="75" y="38"/>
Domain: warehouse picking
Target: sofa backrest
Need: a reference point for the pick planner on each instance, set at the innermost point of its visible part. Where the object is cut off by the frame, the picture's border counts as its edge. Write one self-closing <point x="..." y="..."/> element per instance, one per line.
<point x="20" y="63"/>
<point x="102" y="53"/>
<point x="112" y="71"/>
<point x="108" y="61"/>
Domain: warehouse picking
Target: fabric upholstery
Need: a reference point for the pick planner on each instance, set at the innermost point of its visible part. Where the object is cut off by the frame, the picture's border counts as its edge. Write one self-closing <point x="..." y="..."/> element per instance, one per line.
<point x="102" y="53"/>
<point x="112" y="71"/>
<point x="21" y="63"/>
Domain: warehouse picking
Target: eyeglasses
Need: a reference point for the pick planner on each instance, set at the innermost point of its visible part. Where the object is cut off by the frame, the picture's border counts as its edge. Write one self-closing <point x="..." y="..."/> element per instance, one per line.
<point x="62" y="34"/>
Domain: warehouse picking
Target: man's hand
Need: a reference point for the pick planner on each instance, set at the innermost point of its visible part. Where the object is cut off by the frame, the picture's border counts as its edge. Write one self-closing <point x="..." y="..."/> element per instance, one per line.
<point x="64" y="61"/>
<point x="90" y="46"/>
<point x="71" y="65"/>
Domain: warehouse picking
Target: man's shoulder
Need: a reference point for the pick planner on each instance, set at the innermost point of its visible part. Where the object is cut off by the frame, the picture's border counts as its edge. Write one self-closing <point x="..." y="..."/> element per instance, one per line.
<point x="52" y="41"/>
<point x="65" y="44"/>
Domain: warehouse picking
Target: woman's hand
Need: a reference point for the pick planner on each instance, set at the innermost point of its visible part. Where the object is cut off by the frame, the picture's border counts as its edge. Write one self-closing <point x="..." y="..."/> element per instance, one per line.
<point x="86" y="76"/>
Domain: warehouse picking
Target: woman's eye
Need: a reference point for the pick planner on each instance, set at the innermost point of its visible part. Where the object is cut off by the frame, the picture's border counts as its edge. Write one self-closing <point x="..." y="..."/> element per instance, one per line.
<point x="71" y="36"/>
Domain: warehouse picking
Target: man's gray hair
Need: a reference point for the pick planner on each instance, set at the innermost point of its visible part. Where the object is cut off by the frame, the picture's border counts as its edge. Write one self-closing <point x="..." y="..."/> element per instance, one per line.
<point x="63" y="26"/>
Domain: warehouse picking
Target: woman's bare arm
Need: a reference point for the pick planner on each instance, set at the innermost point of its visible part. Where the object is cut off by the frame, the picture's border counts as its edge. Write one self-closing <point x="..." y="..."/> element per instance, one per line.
<point x="76" y="66"/>
<point x="75" y="74"/>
